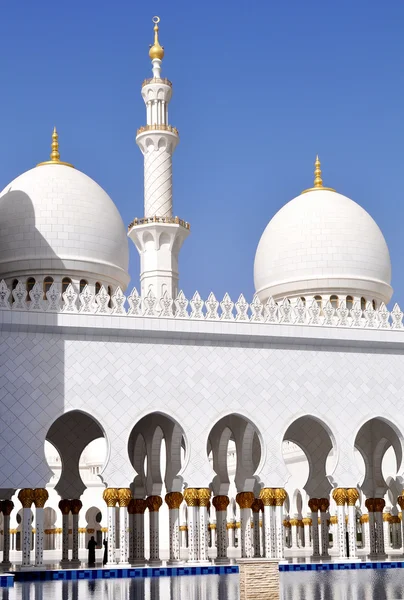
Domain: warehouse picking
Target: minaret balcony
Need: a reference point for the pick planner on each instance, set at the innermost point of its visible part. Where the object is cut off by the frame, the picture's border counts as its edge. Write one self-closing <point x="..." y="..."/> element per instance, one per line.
<point x="163" y="80"/>
<point x="156" y="219"/>
<point x="158" y="127"/>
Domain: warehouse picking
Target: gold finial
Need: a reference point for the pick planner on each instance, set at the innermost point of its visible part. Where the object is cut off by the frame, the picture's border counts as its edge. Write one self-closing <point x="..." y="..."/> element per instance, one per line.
<point x="318" y="181"/>
<point x="156" y="51"/>
<point x="55" y="154"/>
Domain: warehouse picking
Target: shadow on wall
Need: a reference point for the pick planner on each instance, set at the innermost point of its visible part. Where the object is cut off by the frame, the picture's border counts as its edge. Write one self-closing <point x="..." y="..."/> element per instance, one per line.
<point x="31" y="364"/>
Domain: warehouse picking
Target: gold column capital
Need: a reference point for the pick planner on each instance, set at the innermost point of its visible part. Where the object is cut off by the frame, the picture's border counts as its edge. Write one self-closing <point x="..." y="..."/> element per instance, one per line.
<point x="154" y="503"/>
<point x="183" y="528"/>
<point x="204" y="496"/>
<point x="313" y="505"/>
<point x="352" y="496"/>
<point x="280" y="496"/>
<point x="369" y="503"/>
<point x="191" y="496"/>
<point x="400" y="501"/>
<point x="64" y="506"/>
<point x="124" y="497"/>
<point x="340" y="496"/>
<point x="379" y="504"/>
<point x="220" y="502"/>
<point x="267" y="495"/>
<point x="26" y="497"/>
<point x="75" y="506"/>
<point x="387" y="518"/>
<point x="245" y="499"/>
<point x="294" y="522"/>
<point x="174" y="500"/>
<point x="138" y="505"/>
<point x="6" y="507"/>
<point x="40" y="497"/>
<point x="334" y="520"/>
<point x="307" y="521"/>
<point x="257" y="505"/>
<point x="111" y="496"/>
<point x="323" y="504"/>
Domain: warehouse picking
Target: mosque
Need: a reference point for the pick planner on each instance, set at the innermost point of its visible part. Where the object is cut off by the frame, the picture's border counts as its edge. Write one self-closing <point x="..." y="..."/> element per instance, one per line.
<point x="192" y="429"/>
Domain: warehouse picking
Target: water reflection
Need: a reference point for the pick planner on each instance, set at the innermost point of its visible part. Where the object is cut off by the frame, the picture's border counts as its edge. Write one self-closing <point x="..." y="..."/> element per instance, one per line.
<point x="201" y="587"/>
<point x="343" y="585"/>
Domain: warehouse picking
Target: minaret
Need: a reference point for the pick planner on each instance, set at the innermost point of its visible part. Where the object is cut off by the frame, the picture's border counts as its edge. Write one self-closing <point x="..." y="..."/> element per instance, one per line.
<point x="158" y="236"/>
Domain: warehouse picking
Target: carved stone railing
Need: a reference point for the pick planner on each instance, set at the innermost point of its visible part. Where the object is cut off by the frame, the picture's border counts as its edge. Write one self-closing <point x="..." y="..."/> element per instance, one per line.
<point x="160" y="127"/>
<point x="197" y="309"/>
<point x="156" y="219"/>
<point x="163" y="80"/>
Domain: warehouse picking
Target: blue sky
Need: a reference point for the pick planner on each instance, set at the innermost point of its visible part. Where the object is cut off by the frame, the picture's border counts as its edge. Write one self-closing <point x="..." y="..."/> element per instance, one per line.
<point x="259" y="89"/>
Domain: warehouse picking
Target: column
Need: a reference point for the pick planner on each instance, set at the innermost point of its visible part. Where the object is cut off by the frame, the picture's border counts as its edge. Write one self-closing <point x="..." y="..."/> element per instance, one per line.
<point x="387" y="522"/>
<point x="294" y="524"/>
<point x="307" y="524"/>
<point x="395" y="525"/>
<point x="323" y="505"/>
<point x="153" y="504"/>
<point x="131" y="521"/>
<point x="379" y="505"/>
<point x="204" y="503"/>
<point x="352" y="498"/>
<point x="400" y="502"/>
<point x="26" y="497"/>
<point x="280" y="497"/>
<point x="340" y="497"/>
<point x="174" y="501"/>
<point x="6" y="508"/>
<point x="111" y="497"/>
<point x="183" y="536"/>
<point x="64" y="506"/>
<point x="364" y="535"/>
<point x="140" y="506"/>
<point x="191" y="496"/>
<point x="256" y="510"/>
<point x="75" y="507"/>
<point x="267" y="495"/>
<point x="124" y="497"/>
<point x="313" y="505"/>
<point x="245" y="500"/>
<point x="212" y="529"/>
<point x="221" y="503"/>
<point x="40" y="497"/>
<point x="369" y="503"/>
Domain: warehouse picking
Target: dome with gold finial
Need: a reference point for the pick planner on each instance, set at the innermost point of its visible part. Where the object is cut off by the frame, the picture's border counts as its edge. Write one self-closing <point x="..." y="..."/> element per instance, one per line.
<point x="55" y="221"/>
<point x="156" y="51"/>
<point x="322" y="245"/>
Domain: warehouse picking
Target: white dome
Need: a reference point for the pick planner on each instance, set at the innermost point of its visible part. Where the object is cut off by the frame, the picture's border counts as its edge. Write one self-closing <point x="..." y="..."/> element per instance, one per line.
<point x="322" y="243"/>
<point x="55" y="219"/>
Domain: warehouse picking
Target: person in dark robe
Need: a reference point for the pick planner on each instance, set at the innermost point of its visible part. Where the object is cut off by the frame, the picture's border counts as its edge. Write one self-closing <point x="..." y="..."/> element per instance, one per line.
<point x="91" y="546"/>
<point x="105" y="559"/>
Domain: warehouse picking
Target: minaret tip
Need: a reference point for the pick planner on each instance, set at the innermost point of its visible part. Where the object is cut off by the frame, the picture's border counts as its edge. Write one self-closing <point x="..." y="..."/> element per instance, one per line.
<point x="156" y="51"/>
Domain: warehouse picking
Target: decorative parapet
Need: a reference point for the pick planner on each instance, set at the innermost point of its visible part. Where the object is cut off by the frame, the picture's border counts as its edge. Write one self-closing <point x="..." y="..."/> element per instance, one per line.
<point x="163" y="80"/>
<point x="197" y="309"/>
<point x="159" y="127"/>
<point x="156" y="219"/>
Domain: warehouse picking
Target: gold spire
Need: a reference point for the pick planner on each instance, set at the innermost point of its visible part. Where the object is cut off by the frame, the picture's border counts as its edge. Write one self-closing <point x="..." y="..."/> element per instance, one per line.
<point x="55" y="154"/>
<point x="156" y="51"/>
<point x="318" y="181"/>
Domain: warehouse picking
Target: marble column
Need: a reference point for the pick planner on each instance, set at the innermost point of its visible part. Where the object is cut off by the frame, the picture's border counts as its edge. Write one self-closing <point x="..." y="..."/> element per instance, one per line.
<point x="352" y="498"/>
<point x="256" y="507"/>
<point x="6" y="508"/>
<point x="124" y="497"/>
<point x="174" y="501"/>
<point x="75" y="506"/>
<point x="154" y="504"/>
<point x="369" y="503"/>
<point x="314" y="506"/>
<point x="140" y="506"/>
<point x="324" y="505"/>
<point x="40" y="497"/>
<point x="26" y="497"/>
<point x="245" y="501"/>
<point x="364" y="521"/>
<point x="204" y="503"/>
<point x="294" y="524"/>
<point x="221" y="503"/>
<point x="307" y="523"/>
<point x="131" y="521"/>
<point x="387" y="523"/>
<point x="111" y="497"/>
<point x="340" y="497"/>
<point x="64" y="506"/>
<point x="400" y="502"/>
<point x="267" y="495"/>
<point x="280" y="497"/>
<point x="395" y="531"/>
<point x="379" y="505"/>
<point x="191" y="497"/>
<point x="183" y="536"/>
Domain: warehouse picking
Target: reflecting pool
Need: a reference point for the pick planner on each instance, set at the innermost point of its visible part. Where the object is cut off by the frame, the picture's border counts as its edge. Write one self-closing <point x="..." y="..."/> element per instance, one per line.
<point x="198" y="587"/>
<point x="372" y="584"/>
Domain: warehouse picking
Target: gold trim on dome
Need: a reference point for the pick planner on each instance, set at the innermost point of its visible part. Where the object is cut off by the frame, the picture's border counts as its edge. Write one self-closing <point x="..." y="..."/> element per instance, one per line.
<point x="55" y="154"/>
<point x="318" y="181"/>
